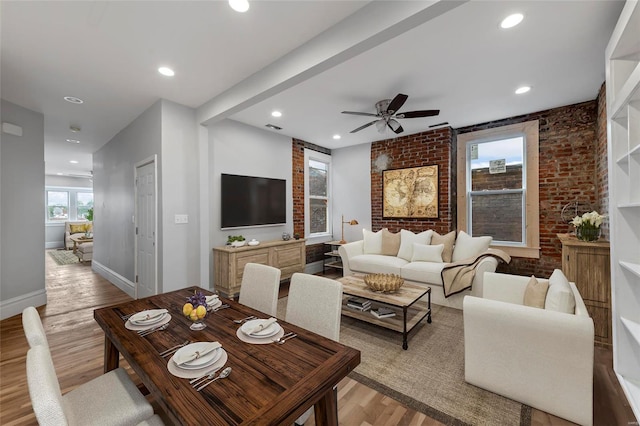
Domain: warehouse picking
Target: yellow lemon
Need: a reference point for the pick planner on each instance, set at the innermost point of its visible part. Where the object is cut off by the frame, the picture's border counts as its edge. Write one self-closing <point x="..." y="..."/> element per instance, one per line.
<point x="193" y="316"/>
<point x="201" y="311"/>
<point x="187" y="308"/>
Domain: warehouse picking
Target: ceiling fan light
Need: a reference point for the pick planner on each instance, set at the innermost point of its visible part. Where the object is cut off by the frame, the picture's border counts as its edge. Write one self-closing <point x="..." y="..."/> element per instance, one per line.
<point x="381" y="125"/>
<point x="394" y="124"/>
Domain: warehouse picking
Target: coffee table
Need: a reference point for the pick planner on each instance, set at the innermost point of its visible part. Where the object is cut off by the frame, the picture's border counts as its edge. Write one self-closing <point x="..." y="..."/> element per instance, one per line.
<point x="79" y="240"/>
<point x="408" y="298"/>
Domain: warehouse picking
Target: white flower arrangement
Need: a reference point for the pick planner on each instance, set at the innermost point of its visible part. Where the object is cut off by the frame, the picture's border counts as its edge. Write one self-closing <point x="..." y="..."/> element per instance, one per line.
<point x="590" y="220"/>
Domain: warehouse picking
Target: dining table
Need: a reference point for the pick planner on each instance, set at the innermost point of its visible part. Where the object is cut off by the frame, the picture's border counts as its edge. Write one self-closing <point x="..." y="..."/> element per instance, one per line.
<point x="270" y="383"/>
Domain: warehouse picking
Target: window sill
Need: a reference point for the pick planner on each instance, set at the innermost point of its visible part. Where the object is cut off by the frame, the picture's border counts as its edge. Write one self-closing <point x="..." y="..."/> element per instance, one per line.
<point x="527" y="252"/>
<point x="318" y="239"/>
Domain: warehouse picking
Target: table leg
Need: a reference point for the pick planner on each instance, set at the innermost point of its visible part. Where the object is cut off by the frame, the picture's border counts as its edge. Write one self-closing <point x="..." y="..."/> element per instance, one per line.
<point x="75" y="246"/>
<point x="326" y="410"/>
<point x="429" y="307"/>
<point x="405" y="345"/>
<point x="111" y="356"/>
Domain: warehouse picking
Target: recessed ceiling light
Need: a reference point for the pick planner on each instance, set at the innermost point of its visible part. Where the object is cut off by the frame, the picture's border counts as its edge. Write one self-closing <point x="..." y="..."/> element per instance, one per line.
<point x="73" y="99"/>
<point x="166" y="71"/>
<point x="73" y="141"/>
<point x="522" y="89"/>
<point x="239" y="5"/>
<point x="276" y="114"/>
<point x="73" y="161"/>
<point x="59" y="174"/>
<point x="337" y="136"/>
<point x="511" y="20"/>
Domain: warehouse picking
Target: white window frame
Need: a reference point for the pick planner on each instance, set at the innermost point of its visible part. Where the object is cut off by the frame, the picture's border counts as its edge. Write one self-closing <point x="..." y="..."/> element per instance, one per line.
<point x="73" y="203"/>
<point x="531" y="208"/>
<point x="318" y="237"/>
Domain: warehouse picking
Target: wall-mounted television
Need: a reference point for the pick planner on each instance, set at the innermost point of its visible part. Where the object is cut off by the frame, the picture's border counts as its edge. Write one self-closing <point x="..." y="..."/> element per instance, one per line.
<point x="252" y="201"/>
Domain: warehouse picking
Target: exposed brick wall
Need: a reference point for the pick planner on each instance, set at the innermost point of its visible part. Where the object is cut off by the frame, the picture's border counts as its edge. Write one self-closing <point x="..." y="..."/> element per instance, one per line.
<point x="314" y="252"/>
<point x="434" y="147"/>
<point x="567" y="173"/>
<point x="602" y="177"/>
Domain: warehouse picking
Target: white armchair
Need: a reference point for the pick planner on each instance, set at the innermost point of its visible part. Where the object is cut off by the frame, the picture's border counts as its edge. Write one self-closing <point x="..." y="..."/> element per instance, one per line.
<point x="74" y="228"/>
<point x="539" y="357"/>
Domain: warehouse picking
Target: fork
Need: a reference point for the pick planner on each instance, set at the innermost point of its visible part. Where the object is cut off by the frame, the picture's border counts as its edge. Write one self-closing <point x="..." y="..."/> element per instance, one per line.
<point x="127" y="316"/>
<point x="285" y="337"/>
<point x="240" y="321"/>
<point x="143" y="333"/>
<point x="171" y="350"/>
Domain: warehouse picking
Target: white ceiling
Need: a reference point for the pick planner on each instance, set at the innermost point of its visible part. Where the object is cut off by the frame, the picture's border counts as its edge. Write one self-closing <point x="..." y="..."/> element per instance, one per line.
<point x="461" y="62"/>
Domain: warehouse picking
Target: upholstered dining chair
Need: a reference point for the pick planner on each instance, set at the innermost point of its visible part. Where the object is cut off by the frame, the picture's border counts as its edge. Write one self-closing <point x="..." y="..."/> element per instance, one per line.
<point x="33" y="329"/>
<point x="315" y="303"/>
<point x="260" y="287"/>
<point x="110" y="399"/>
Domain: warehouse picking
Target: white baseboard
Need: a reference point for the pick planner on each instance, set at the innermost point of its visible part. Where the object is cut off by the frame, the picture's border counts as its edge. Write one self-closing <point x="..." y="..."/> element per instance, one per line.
<point x="114" y="278"/>
<point x="53" y="245"/>
<point x="313" y="268"/>
<point x="15" y="306"/>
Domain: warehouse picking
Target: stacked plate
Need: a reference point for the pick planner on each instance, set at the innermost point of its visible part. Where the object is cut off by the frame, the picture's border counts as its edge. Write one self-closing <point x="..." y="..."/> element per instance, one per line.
<point x="197" y="359"/>
<point x="260" y="331"/>
<point x="148" y="319"/>
<point x="213" y="302"/>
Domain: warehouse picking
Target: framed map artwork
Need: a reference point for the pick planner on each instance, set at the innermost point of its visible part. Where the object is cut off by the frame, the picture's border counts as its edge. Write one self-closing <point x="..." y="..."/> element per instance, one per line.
<point x="410" y="193"/>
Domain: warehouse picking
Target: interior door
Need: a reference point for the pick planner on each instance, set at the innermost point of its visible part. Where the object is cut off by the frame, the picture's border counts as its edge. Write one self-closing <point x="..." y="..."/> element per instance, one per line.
<point x="146" y="284"/>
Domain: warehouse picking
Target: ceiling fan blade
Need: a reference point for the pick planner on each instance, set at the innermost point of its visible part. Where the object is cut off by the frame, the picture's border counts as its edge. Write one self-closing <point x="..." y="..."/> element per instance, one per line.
<point x="368" y="114"/>
<point x="418" y="114"/>
<point x="397" y="103"/>
<point x="395" y="126"/>
<point x="363" y="127"/>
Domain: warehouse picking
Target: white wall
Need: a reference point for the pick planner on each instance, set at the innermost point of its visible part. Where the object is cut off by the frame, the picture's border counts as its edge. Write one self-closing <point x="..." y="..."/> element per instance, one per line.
<point x="180" y="195"/>
<point x="22" y="274"/>
<point x="113" y="195"/>
<point x="351" y="187"/>
<point x="245" y="150"/>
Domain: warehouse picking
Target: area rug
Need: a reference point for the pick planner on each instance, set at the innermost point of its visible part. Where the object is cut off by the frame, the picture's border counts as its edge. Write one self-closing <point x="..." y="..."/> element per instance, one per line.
<point x="63" y="257"/>
<point x="429" y="376"/>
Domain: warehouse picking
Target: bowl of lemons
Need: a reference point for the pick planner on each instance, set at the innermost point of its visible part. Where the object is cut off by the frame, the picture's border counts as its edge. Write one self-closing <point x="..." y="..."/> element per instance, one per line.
<point x="195" y="310"/>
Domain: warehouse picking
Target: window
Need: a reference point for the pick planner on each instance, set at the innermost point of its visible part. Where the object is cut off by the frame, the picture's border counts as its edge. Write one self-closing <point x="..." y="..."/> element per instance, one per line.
<point x="65" y="204"/>
<point x="57" y="206"/>
<point x="498" y="187"/>
<point x="317" y="189"/>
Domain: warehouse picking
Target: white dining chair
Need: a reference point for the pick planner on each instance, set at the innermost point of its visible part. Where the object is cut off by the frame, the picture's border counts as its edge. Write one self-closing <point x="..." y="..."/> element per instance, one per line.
<point x="110" y="399"/>
<point x="260" y="287"/>
<point x="33" y="329"/>
<point x="315" y="304"/>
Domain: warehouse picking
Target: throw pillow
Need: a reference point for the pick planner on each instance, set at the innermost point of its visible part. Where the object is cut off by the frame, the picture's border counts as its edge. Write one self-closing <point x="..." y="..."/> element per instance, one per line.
<point x="407" y="238"/>
<point x="535" y="293"/>
<point x="560" y="297"/>
<point x="74" y="229"/>
<point x="427" y="253"/>
<point x="468" y="246"/>
<point x="390" y="243"/>
<point x="447" y="240"/>
<point x="372" y="242"/>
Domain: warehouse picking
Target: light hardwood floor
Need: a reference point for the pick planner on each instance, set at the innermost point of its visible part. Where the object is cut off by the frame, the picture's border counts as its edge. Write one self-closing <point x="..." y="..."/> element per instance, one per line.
<point x="76" y="343"/>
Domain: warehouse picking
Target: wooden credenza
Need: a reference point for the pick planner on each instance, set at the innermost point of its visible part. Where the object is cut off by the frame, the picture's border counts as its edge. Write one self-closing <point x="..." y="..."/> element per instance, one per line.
<point x="587" y="264"/>
<point x="228" y="262"/>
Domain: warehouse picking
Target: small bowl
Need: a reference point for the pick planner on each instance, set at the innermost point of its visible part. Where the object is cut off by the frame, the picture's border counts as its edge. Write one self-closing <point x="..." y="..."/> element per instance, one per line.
<point x="238" y="243"/>
<point x="199" y="323"/>
<point x="253" y="242"/>
<point x="385" y="283"/>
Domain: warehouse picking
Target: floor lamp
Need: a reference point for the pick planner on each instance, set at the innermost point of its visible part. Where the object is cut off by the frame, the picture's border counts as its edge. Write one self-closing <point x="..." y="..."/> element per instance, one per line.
<point x="350" y="222"/>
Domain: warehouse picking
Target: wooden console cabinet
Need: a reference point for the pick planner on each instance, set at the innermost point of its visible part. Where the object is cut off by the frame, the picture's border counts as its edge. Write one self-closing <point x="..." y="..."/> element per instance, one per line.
<point x="228" y="262"/>
<point x="587" y="264"/>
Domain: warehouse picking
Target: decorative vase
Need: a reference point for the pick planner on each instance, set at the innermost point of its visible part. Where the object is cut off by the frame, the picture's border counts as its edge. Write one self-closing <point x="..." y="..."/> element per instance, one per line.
<point x="587" y="233"/>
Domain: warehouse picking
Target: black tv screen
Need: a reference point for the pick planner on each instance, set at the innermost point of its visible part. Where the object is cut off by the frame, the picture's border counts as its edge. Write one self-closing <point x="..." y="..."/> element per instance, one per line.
<point x="252" y="201"/>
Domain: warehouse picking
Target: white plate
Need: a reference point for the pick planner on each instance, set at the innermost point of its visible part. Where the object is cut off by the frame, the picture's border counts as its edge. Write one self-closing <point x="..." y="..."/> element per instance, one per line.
<point x="192" y="374"/>
<point x="267" y="332"/>
<point x="260" y="340"/>
<point x="215" y="304"/>
<point x="148" y="317"/>
<point x="201" y="362"/>
<point x="130" y="326"/>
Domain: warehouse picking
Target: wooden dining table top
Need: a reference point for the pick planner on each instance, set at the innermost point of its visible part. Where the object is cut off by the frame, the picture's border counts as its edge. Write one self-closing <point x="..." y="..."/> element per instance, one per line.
<point x="270" y="383"/>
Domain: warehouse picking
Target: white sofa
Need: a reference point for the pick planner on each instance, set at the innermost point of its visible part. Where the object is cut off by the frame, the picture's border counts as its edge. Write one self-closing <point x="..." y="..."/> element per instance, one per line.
<point x="365" y="257"/>
<point x="540" y="357"/>
<point x="78" y="228"/>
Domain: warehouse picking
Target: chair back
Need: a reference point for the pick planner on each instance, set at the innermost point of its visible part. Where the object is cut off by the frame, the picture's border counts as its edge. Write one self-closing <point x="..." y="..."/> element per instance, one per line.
<point x="33" y="329"/>
<point x="260" y="287"/>
<point x="44" y="388"/>
<point x="315" y="303"/>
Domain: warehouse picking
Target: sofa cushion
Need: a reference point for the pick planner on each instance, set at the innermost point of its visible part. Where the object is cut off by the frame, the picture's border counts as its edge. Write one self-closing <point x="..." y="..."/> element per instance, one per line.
<point x="76" y="229"/>
<point x="468" y="246"/>
<point x="447" y="240"/>
<point x="535" y="293"/>
<point x="425" y="272"/>
<point x="372" y="242"/>
<point x="376" y="264"/>
<point x="407" y="238"/>
<point x="427" y="253"/>
<point x="559" y="296"/>
<point x="390" y="243"/>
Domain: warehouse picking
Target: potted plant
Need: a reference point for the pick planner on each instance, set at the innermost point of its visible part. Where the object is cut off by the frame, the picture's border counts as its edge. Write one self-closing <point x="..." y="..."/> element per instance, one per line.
<point x="236" y="240"/>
